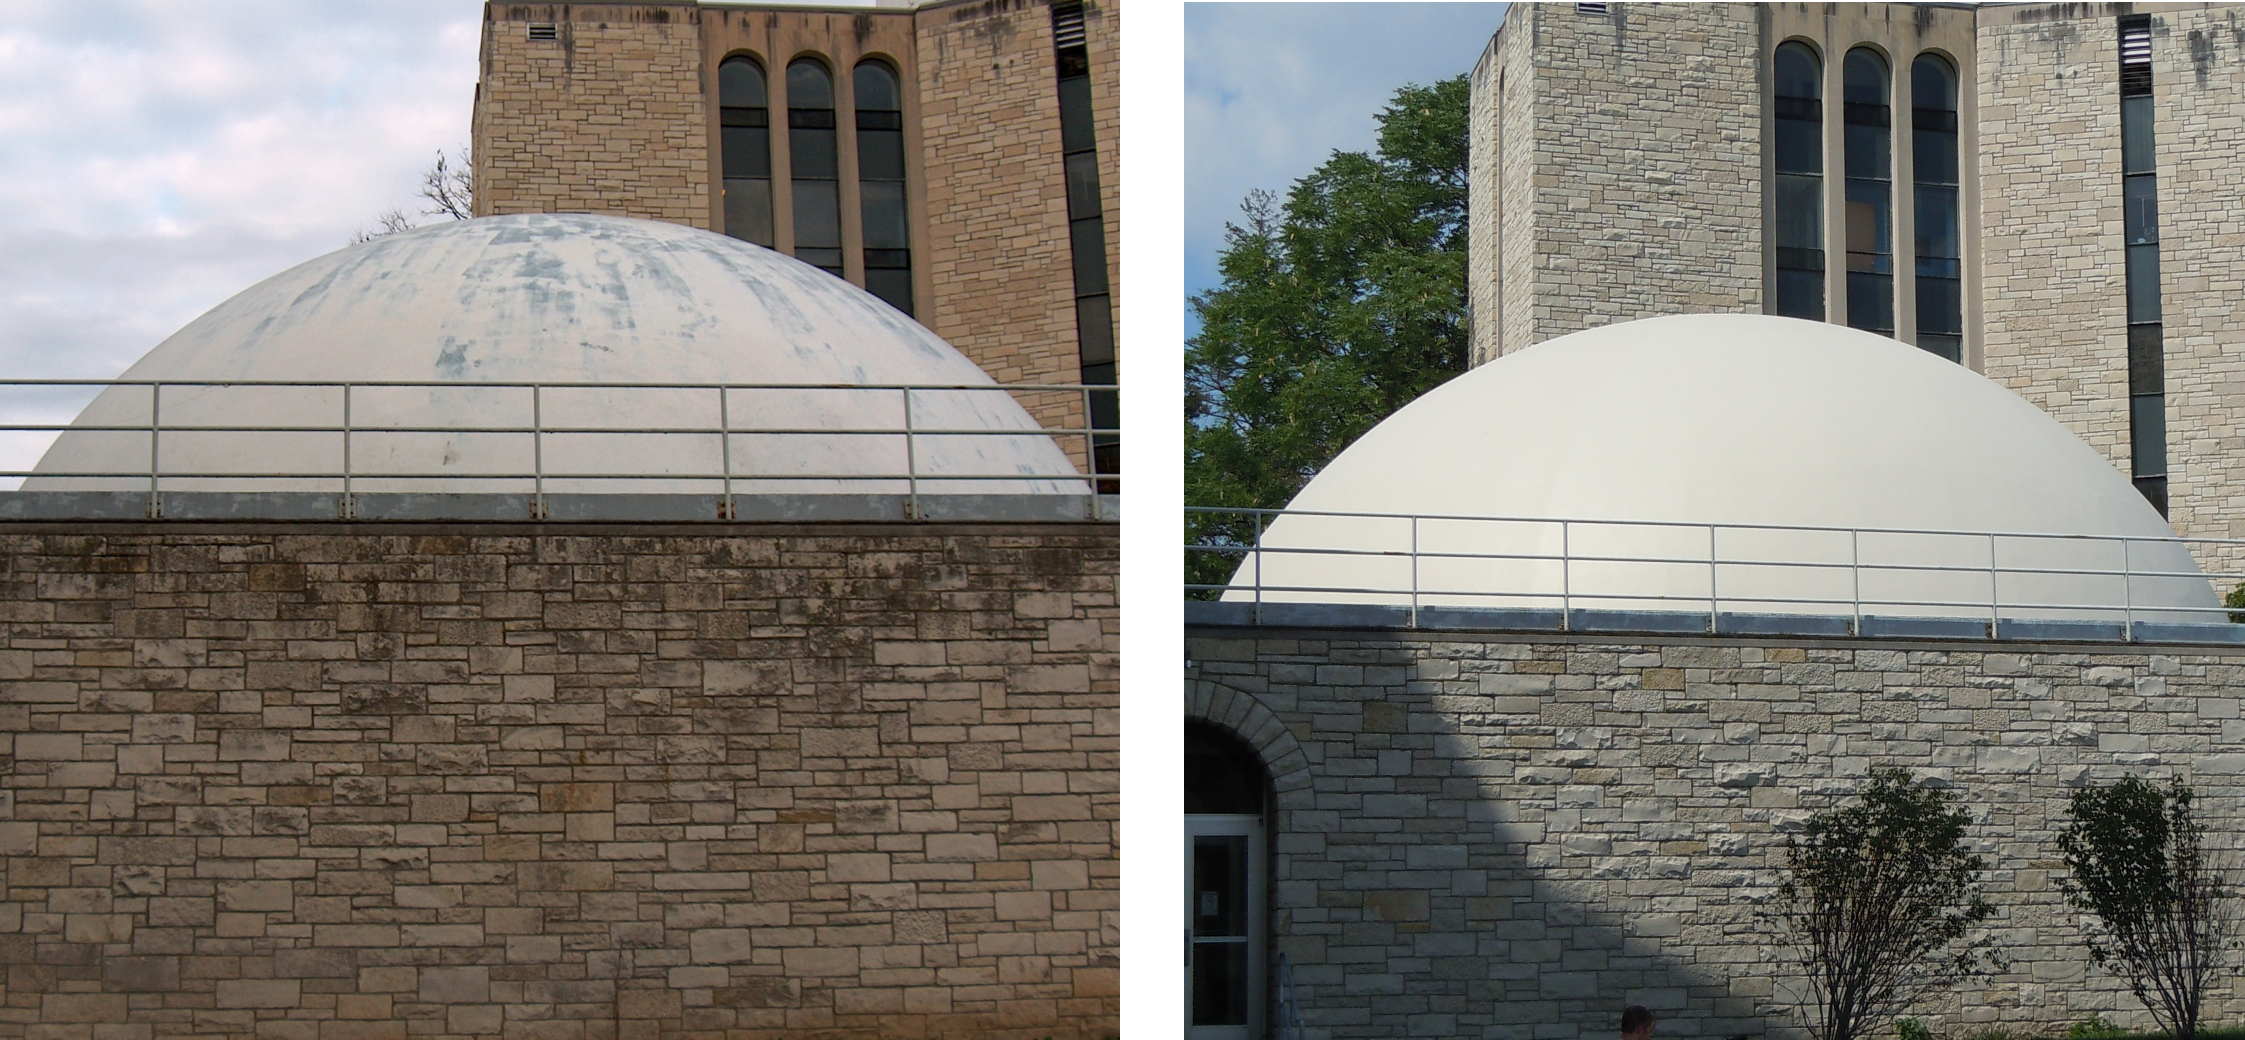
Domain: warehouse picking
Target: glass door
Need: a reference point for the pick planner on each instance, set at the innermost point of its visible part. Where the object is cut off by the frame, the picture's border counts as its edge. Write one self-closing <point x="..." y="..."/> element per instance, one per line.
<point x="1225" y="881"/>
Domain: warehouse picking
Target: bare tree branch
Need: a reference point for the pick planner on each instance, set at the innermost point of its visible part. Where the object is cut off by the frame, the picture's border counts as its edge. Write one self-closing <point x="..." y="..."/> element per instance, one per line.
<point x="448" y="185"/>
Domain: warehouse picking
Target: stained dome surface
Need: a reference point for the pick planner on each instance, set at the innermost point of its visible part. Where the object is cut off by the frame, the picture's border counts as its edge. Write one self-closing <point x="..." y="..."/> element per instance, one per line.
<point x="1728" y="420"/>
<point x="561" y="298"/>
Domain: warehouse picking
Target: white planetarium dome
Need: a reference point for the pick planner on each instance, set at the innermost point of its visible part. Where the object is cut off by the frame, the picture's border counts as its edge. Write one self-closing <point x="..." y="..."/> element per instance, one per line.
<point x="560" y="298"/>
<point x="1728" y="420"/>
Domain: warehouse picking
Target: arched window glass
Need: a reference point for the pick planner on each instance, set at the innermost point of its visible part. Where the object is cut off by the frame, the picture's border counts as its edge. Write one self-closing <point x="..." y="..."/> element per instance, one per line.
<point x="1798" y="210"/>
<point x="1868" y="153"/>
<point x="1933" y="170"/>
<point x="880" y="183"/>
<point x="814" y="167"/>
<point x="745" y="126"/>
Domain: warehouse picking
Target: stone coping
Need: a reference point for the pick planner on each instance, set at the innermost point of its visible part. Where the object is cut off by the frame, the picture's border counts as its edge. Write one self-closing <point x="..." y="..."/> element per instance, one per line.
<point x="375" y="507"/>
<point x="1685" y="622"/>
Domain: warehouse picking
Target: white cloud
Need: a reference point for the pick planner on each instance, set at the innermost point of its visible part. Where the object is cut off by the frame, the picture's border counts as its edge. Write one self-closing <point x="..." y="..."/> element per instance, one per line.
<point x="159" y="157"/>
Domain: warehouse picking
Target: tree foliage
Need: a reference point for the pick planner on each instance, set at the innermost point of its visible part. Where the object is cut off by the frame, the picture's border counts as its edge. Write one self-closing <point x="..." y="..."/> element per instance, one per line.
<point x="448" y="188"/>
<point x="2163" y="919"/>
<point x="1879" y="902"/>
<point x="1335" y="309"/>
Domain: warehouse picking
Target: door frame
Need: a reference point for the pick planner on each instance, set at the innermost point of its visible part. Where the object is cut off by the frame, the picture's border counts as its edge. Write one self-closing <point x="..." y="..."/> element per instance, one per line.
<point x="1252" y="827"/>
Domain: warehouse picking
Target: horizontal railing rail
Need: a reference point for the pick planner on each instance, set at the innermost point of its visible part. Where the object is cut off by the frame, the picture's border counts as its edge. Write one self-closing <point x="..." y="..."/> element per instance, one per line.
<point x="1418" y="572"/>
<point x="525" y="432"/>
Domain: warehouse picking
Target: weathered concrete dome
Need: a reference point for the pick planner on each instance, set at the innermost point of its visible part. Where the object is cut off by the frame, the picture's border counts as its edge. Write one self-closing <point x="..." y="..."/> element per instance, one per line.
<point x="1729" y="419"/>
<point x="559" y="298"/>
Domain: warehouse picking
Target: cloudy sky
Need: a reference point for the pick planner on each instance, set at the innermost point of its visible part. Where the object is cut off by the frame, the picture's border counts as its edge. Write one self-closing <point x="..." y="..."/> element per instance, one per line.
<point x="157" y="157"/>
<point x="1272" y="89"/>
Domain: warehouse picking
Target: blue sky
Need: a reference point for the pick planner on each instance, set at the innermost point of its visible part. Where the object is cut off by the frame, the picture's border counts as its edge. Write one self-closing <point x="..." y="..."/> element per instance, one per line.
<point x="1272" y="89"/>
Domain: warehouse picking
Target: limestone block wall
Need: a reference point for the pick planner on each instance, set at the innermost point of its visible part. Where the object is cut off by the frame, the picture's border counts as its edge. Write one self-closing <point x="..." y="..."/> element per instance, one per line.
<point x="606" y="118"/>
<point x="2054" y="294"/>
<point x="1625" y="151"/>
<point x="998" y="250"/>
<point x="1517" y="171"/>
<point x="1483" y="205"/>
<point x="2198" y="84"/>
<point x="1490" y="836"/>
<point x="1648" y="142"/>
<point x="332" y="782"/>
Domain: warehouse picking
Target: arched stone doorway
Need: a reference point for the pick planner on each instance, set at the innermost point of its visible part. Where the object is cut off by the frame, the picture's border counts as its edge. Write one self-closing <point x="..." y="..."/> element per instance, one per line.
<point x="1228" y="805"/>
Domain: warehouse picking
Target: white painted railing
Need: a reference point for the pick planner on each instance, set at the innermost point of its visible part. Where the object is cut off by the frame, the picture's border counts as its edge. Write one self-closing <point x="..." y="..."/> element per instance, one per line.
<point x="728" y="439"/>
<point x="1421" y="561"/>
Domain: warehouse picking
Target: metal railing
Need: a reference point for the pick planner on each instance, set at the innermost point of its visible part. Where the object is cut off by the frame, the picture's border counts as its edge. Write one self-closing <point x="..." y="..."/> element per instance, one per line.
<point x="1395" y="562"/>
<point x="931" y="431"/>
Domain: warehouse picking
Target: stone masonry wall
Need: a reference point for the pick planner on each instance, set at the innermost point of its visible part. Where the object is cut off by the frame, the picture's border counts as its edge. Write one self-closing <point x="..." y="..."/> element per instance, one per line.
<point x="1482" y="836"/>
<point x="998" y="246"/>
<point x="1483" y="192"/>
<point x="2054" y="300"/>
<point x="1518" y="175"/>
<point x="1648" y="164"/>
<point x="608" y="118"/>
<point x="2198" y="103"/>
<point x="327" y="782"/>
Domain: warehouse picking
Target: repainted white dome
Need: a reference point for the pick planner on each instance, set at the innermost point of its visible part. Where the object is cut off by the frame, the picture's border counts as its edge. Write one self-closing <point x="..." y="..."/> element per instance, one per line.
<point x="558" y="298"/>
<point x="1727" y="419"/>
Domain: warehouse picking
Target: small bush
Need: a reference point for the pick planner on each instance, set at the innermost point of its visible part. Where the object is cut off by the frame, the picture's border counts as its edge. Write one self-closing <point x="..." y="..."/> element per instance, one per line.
<point x="2235" y="601"/>
<point x="1911" y="1029"/>
<point x="2093" y="1028"/>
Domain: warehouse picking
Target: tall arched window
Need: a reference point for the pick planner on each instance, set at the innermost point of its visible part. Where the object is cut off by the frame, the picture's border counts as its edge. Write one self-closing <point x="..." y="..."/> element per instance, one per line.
<point x="745" y="123"/>
<point x="1868" y="152"/>
<point x="880" y="184"/>
<point x="1798" y="210"/>
<point x="813" y="164"/>
<point x="1933" y="168"/>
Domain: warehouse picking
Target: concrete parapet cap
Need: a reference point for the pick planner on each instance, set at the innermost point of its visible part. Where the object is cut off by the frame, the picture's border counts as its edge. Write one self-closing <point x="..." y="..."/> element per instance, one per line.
<point x="375" y="507"/>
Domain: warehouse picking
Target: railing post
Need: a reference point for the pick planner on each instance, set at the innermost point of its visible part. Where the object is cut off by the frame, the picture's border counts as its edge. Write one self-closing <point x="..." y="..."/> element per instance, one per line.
<point x="155" y="433"/>
<point x="1414" y="572"/>
<point x="2128" y="594"/>
<point x="1995" y="603"/>
<point x="1714" y="602"/>
<point x="349" y="512"/>
<point x="537" y="455"/>
<point x="911" y="462"/>
<point x="1855" y="576"/>
<point x="1255" y="551"/>
<point x="725" y="453"/>
<point x="1566" y="581"/>
<point x="1091" y="443"/>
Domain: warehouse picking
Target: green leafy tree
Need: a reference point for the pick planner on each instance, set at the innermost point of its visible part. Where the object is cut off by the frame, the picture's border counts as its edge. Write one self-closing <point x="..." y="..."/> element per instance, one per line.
<point x="2138" y="867"/>
<point x="1335" y="309"/>
<point x="1878" y="904"/>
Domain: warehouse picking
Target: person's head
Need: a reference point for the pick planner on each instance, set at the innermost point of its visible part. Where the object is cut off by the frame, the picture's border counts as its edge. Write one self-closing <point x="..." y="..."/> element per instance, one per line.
<point x="1636" y="1023"/>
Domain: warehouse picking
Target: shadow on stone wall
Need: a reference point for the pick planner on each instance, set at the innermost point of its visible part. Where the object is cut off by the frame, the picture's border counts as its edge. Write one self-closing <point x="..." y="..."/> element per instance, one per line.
<point x="1512" y="840"/>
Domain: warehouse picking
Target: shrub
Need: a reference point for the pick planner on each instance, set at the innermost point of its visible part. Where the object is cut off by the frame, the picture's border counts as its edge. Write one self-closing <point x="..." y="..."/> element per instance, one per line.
<point x="2163" y="920"/>
<point x="2094" y="1028"/>
<point x="1877" y="903"/>
<point x="1911" y="1029"/>
<point x="2235" y="601"/>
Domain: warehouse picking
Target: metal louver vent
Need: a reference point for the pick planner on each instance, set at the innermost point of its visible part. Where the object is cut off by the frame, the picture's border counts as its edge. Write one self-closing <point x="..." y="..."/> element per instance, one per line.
<point x="544" y="31"/>
<point x="2135" y="55"/>
<point x="1067" y="25"/>
<point x="1591" y="8"/>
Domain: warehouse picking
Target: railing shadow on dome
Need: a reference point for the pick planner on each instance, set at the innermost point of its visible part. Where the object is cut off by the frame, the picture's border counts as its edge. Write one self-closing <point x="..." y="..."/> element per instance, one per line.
<point x="287" y="449"/>
<point x="1327" y="568"/>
